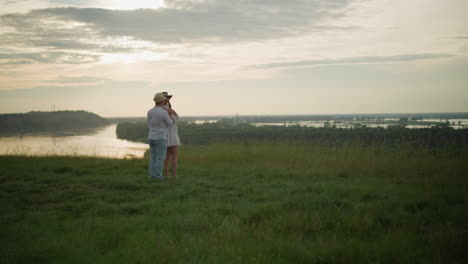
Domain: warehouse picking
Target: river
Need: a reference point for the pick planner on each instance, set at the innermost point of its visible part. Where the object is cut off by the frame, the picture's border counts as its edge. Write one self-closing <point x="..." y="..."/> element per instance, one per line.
<point x="101" y="142"/>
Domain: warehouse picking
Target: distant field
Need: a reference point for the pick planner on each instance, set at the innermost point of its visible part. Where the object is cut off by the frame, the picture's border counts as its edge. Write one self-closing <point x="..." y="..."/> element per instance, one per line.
<point x="231" y="131"/>
<point x="240" y="203"/>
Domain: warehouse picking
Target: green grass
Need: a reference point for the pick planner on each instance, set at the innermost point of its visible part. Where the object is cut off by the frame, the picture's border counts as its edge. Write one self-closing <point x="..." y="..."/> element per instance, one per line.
<point x="261" y="203"/>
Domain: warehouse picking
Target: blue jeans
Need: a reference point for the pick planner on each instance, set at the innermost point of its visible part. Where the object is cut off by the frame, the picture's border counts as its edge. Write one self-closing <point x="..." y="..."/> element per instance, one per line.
<point x="158" y="150"/>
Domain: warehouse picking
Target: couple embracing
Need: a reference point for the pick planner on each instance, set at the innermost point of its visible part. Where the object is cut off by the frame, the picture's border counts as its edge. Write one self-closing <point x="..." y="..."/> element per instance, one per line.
<point x="163" y="137"/>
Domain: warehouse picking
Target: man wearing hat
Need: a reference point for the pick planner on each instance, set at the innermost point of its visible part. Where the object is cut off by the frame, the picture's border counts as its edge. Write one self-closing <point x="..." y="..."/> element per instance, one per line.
<point x="158" y="124"/>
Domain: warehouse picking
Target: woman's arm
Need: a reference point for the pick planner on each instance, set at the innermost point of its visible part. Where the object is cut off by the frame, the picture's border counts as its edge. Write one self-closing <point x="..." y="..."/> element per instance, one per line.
<point x="173" y="113"/>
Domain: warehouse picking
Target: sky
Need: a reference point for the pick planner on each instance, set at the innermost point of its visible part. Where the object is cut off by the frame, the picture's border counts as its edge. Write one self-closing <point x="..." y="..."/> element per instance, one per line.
<point x="229" y="57"/>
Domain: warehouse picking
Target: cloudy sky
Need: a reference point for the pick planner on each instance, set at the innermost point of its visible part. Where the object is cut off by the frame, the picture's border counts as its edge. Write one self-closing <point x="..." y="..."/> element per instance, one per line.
<point x="227" y="57"/>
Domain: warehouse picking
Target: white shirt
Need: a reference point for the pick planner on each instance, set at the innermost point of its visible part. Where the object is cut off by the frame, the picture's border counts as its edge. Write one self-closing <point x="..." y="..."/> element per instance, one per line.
<point x="158" y="123"/>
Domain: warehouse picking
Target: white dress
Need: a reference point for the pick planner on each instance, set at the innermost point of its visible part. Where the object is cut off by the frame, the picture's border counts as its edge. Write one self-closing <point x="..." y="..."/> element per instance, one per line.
<point x="172" y="133"/>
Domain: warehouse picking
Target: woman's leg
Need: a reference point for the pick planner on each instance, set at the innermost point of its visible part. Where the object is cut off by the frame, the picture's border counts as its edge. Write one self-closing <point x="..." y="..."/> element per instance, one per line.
<point x="167" y="162"/>
<point x="175" y="158"/>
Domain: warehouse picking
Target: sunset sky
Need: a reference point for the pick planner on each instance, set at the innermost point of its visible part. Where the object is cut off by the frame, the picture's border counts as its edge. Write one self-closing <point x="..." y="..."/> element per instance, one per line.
<point x="227" y="57"/>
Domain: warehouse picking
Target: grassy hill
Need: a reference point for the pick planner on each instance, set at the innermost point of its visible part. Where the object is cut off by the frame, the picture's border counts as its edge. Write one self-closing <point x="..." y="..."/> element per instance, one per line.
<point x="257" y="202"/>
<point x="49" y="121"/>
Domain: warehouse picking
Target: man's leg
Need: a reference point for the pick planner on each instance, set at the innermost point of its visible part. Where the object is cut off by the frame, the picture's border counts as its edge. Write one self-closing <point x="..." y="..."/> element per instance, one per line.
<point x="161" y="148"/>
<point x="152" y="160"/>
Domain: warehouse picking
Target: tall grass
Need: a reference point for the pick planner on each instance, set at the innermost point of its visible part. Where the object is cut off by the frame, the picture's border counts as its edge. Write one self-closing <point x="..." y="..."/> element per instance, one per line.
<point x="257" y="202"/>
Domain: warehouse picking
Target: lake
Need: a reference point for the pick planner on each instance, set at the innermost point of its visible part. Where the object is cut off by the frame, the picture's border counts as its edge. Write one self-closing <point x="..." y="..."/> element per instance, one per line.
<point x="101" y="142"/>
<point x="426" y="123"/>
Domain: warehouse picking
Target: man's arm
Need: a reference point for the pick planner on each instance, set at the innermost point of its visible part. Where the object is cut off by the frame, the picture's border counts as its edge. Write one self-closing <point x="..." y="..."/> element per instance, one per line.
<point x="148" y="118"/>
<point x="167" y="120"/>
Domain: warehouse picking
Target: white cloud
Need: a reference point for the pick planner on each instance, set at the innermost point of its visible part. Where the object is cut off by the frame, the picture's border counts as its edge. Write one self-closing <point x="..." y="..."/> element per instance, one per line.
<point x="79" y="79"/>
<point x="353" y="60"/>
<point x="47" y="57"/>
<point x="211" y="21"/>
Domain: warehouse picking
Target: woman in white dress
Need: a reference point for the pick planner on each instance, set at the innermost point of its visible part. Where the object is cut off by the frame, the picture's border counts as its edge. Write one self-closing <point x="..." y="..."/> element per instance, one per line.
<point x="173" y="140"/>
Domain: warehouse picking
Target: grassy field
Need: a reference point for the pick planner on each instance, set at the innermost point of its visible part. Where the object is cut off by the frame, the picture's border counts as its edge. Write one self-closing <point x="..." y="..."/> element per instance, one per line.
<point x="245" y="203"/>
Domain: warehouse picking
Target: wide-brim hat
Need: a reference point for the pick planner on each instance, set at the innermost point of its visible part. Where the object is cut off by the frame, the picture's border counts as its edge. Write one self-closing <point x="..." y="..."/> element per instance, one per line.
<point x="167" y="95"/>
<point x="159" y="97"/>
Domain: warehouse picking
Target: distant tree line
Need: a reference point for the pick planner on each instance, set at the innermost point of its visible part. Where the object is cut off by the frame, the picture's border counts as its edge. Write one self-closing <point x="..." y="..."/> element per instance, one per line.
<point x="339" y="117"/>
<point x="402" y="118"/>
<point x="225" y="131"/>
<point x="49" y="122"/>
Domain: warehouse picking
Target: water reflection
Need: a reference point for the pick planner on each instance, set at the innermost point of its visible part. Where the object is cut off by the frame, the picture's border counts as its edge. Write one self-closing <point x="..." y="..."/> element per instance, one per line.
<point x="98" y="143"/>
<point x="426" y="123"/>
<point x="200" y="122"/>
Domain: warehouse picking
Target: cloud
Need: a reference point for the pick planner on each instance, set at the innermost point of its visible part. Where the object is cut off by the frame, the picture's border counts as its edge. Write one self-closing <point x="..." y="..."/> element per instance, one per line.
<point x="39" y="29"/>
<point x="47" y="57"/>
<point x="180" y="21"/>
<point x="462" y="37"/>
<point x="353" y="60"/>
<point x="69" y="44"/>
<point x="79" y="79"/>
<point x="463" y="49"/>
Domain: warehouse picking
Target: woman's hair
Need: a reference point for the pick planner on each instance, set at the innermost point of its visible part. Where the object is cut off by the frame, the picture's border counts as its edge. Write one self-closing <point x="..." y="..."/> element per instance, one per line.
<point x="169" y="104"/>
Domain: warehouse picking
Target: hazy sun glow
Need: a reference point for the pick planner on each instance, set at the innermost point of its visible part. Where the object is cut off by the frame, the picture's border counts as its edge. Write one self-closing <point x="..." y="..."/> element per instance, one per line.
<point x="132" y="57"/>
<point x="132" y="4"/>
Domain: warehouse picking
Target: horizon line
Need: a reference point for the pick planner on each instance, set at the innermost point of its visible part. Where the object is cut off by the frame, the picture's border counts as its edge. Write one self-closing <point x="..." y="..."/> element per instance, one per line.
<point x="335" y="114"/>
